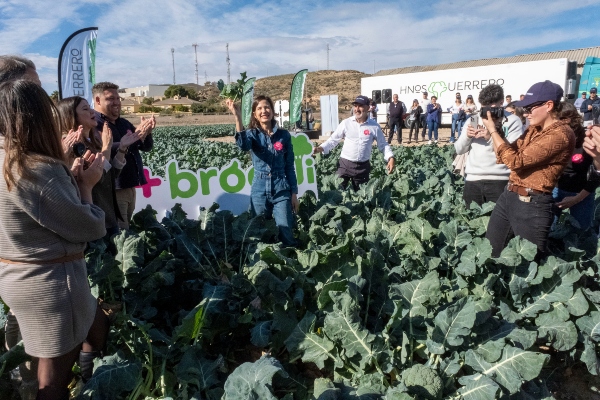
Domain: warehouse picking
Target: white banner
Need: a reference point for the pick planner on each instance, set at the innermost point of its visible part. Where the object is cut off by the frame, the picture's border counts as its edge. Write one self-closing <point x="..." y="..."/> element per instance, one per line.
<point x="329" y="114"/>
<point x="228" y="186"/>
<point x="281" y="111"/>
<point x="77" y="65"/>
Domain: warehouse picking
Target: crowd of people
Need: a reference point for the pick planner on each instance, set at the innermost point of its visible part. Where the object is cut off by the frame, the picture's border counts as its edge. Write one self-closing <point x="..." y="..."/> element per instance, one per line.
<point x="70" y="173"/>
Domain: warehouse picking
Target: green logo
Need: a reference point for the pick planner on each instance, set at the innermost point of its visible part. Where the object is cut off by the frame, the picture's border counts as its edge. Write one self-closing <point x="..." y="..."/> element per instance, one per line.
<point x="437" y="88"/>
<point x="302" y="147"/>
<point x="92" y="67"/>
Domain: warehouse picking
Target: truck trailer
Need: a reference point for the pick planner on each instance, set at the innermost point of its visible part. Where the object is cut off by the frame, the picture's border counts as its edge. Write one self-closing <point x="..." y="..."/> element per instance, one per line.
<point x="515" y="78"/>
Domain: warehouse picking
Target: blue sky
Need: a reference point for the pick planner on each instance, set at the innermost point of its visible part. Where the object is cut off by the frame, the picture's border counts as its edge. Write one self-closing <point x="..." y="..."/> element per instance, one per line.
<point x="278" y="37"/>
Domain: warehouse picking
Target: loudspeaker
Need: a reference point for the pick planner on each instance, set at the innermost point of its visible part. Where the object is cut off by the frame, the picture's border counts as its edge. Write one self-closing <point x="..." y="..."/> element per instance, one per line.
<point x="386" y="95"/>
<point x="376" y="96"/>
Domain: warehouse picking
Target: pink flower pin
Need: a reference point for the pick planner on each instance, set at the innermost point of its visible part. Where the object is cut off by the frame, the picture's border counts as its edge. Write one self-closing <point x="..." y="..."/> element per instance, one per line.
<point x="278" y="146"/>
<point x="577" y="158"/>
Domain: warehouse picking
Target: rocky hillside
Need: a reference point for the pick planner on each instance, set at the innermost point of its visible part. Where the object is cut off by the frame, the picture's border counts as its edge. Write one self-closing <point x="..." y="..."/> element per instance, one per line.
<point x="346" y="84"/>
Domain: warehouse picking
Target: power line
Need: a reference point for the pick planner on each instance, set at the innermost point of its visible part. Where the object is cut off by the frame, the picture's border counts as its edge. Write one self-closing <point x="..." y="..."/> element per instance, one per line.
<point x="195" y="45"/>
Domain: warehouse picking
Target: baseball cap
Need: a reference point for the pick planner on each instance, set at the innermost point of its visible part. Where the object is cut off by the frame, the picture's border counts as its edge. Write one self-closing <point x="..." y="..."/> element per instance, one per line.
<point x="423" y="92"/>
<point x="364" y="100"/>
<point x="584" y="93"/>
<point x="470" y="96"/>
<point x="593" y="90"/>
<point x="540" y="92"/>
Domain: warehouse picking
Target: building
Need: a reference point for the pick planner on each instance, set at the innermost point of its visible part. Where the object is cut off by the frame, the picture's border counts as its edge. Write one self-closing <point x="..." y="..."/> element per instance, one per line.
<point x="175" y="101"/>
<point x="154" y="91"/>
<point x="130" y="105"/>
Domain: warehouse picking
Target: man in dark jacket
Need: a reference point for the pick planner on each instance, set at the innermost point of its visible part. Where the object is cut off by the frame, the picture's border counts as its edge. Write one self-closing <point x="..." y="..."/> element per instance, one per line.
<point x="586" y="107"/>
<point x="107" y="105"/>
<point x="395" y="114"/>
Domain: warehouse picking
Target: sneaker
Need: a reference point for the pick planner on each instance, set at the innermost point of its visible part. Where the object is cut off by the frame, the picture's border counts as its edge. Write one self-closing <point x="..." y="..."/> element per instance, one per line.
<point x="451" y="140"/>
<point x="429" y="142"/>
<point x="435" y="141"/>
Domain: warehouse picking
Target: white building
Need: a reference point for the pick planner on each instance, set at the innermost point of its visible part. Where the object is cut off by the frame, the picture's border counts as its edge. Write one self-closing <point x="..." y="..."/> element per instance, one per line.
<point x="144" y="91"/>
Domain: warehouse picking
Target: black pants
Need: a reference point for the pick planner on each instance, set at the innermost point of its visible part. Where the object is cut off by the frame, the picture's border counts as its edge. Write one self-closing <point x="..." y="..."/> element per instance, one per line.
<point x="424" y="125"/>
<point x="529" y="220"/>
<point x="356" y="172"/>
<point x="414" y="124"/>
<point x="395" y="126"/>
<point x="483" y="191"/>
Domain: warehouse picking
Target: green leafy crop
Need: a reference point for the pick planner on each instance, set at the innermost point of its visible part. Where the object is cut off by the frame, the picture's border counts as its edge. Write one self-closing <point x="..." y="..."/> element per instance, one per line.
<point x="233" y="91"/>
<point x="391" y="294"/>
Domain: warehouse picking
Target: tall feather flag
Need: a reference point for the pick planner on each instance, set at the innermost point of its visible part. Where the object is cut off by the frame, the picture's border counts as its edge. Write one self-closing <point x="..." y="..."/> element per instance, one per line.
<point x="77" y="65"/>
<point x="247" y="99"/>
<point x="296" y="95"/>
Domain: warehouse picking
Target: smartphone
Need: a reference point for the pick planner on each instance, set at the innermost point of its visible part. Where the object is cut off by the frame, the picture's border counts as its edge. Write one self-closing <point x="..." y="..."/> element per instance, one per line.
<point x="474" y="121"/>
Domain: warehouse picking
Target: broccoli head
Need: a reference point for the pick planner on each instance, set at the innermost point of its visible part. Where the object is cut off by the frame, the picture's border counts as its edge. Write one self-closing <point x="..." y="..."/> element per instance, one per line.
<point x="423" y="382"/>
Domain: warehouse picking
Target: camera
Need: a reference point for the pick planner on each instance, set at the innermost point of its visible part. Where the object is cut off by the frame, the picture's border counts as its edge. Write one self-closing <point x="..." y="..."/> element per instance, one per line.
<point x="596" y="113"/>
<point x="78" y="149"/>
<point x="497" y="112"/>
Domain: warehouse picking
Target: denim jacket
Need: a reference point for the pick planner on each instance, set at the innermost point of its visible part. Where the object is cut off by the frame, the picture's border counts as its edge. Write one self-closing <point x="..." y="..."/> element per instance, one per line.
<point x="272" y="157"/>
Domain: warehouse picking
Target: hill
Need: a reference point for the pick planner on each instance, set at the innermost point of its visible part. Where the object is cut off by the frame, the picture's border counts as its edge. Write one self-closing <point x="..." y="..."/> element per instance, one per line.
<point x="346" y="84"/>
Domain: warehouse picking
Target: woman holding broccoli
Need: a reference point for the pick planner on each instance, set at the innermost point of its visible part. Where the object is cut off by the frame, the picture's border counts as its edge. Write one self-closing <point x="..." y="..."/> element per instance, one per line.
<point x="274" y="187"/>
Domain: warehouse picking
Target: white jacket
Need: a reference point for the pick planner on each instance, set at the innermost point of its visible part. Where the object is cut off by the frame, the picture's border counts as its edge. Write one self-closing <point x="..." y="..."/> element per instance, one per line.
<point x="481" y="162"/>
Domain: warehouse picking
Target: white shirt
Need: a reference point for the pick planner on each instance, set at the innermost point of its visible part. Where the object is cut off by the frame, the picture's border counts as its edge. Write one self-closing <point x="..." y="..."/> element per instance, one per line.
<point x="358" y="140"/>
<point x="579" y="102"/>
<point x="423" y="103"/>
<point x="455" y="109"/>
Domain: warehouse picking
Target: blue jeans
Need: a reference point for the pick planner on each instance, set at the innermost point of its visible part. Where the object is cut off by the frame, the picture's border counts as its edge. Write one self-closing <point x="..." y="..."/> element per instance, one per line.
<point x="432" y="126"/>
<point x="583" y="211"/>
<point x="455" y="126"/>
<point x="271" y="197"/>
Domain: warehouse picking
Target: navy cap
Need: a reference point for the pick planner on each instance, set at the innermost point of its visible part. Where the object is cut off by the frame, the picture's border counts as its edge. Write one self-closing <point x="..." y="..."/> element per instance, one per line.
<point x="593" y="90"/>
<point x="363" y="100"/>
<point x="584" y="93"/>
<point x="424" y="92"/>
<point x="540" y="92"/>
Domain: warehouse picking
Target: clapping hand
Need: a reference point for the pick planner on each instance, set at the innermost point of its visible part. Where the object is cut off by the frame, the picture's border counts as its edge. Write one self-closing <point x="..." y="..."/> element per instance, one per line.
<point x="591" y="144"/>
<point x="72" y="138"/>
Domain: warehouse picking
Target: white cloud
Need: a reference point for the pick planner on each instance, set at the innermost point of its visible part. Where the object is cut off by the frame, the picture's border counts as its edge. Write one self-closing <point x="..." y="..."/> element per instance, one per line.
<point x="135" y="37"/>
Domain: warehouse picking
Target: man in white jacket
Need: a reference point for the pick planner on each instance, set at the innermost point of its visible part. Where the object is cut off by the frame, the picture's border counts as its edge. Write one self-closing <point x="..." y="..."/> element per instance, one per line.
<point x="485" y="179"/>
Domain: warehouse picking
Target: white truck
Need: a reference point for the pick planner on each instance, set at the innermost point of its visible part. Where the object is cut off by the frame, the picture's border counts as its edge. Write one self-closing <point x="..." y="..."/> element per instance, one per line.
<point x="515" y="79"/>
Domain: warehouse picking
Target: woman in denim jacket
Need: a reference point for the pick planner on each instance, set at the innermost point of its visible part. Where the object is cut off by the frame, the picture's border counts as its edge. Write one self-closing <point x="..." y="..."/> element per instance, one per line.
<point x="274" y="187"/>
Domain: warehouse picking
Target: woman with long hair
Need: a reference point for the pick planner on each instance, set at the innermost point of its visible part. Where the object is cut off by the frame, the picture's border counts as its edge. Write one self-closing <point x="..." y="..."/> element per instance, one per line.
<point x="414" y="119"/>
<point x="274" y="187"/>
<point x="78" y="118"/>
<point x="536" y="161"/>
<point x="458" y="114"/>
<point x="574" y="191"/>
<point x="48" y="216"/>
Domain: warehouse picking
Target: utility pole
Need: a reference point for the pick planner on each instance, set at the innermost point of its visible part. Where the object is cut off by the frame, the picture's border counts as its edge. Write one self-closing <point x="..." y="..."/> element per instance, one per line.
<point x="373" y="67"/>
<point x="173" y="57"/>
<point x="327" y="55"/>
<point x="205" y="77"/>
<point x="195" y="45"/>
<point x="228" y="64"/>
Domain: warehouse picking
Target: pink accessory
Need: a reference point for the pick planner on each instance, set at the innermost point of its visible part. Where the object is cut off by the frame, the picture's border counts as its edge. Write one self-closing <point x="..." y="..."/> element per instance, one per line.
<point x="278" y="146"/>
<point x="366" y="132"/>
<point x="577" y="158"/>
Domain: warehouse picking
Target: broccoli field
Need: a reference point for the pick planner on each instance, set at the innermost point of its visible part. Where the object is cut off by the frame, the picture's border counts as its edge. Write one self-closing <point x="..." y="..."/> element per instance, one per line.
<point x="391" y="294"/>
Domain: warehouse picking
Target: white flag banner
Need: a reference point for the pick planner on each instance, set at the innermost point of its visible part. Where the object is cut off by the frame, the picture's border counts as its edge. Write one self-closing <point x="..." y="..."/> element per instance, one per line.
<point x="77" y="65"/>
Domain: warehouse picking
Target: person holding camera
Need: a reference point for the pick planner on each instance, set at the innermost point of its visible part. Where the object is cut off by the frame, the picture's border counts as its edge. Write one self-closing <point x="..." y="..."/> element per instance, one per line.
<point x="574" y="191"/>
<point x="434" y="117"/>
<point x="358" y="132"/>
<point x="77" y="116"/>
<point x="48" y="216"/>
<point x="485" y="179"/>
<point x="587" y="107"/>
<point x="536" y="161"/>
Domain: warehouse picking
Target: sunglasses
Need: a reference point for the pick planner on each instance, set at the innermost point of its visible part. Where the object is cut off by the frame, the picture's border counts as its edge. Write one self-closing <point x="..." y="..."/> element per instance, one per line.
<point x="529" y="109"/>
